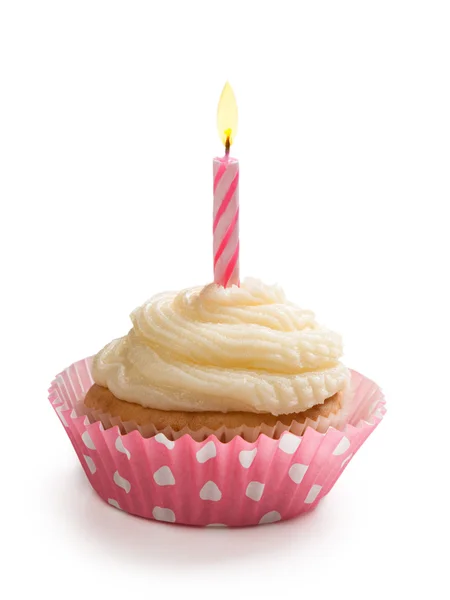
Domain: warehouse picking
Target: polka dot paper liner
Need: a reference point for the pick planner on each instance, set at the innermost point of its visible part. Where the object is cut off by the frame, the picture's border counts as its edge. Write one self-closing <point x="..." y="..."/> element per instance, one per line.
<point x="210" y="482"/>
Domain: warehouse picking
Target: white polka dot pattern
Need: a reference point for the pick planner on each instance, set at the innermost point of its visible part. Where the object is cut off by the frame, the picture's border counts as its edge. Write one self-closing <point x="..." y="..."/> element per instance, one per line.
<point x="255" y="490"/>
<point x="163" y="514"/>
<point x="312" y="494"/>
<point x="289" y="443"/>
<point x="342" y="447"/>
<point x="297" y="472"/>
<point x="122" y="482"/>
<point x="246" y="457"/>
<point x="90" y="463"/>
<point x="210" y="491"/>
<point x="162" y="439"/>
<point x="164" y="476"/>
<point x="121" y="448"/>
<point x="208" y="451"/>
<point x="271" y="517"/>
<point x="87" y="441"/>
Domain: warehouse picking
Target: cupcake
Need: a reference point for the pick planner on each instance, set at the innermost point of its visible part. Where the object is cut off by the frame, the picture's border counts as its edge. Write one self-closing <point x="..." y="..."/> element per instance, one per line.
<point x="221" y="406"/>
<point x="224" y="361"/>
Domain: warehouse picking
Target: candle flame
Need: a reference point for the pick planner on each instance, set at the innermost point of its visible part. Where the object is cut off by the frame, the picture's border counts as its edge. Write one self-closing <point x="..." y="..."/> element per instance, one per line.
<point x="227" y="116"/>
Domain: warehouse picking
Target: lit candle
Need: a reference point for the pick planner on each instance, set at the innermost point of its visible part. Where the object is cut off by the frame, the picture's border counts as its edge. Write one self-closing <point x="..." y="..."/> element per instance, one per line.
<point x="226" y="196"/>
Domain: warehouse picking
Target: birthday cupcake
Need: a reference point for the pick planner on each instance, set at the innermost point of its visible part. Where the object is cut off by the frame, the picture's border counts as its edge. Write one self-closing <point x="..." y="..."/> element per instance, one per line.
<point x="224" y="361"/>
<point x="223" y="405"/>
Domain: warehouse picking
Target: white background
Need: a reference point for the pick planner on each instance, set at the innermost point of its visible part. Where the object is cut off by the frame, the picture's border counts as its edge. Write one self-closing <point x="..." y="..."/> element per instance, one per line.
<point x="107" y="134"/>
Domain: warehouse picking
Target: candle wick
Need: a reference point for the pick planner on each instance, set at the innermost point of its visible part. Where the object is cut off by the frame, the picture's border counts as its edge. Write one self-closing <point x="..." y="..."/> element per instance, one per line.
<point x="227" y="146"/>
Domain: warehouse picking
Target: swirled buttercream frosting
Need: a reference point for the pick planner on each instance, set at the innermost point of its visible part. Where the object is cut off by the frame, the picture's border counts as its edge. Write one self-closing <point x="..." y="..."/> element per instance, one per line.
<point x="223" y="349"/>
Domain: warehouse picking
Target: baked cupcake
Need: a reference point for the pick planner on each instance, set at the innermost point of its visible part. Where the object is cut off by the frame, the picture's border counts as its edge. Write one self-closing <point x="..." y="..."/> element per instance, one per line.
<point x="223" y="361"/>
<point x="221" y="406"/>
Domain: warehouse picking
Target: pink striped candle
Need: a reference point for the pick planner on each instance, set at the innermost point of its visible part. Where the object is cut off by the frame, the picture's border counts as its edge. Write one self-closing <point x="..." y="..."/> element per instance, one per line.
<point x="226" y="221"/>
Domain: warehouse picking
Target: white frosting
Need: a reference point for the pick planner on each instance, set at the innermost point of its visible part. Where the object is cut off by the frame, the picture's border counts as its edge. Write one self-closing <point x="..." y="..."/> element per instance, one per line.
<point x="223" y="349"/>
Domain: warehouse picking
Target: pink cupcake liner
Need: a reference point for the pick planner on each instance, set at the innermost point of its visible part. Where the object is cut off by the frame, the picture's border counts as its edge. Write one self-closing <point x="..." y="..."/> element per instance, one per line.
<point x="211" y="482"/>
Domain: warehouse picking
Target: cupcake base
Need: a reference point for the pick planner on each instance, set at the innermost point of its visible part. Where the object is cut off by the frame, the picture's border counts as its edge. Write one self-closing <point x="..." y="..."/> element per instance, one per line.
<point x="102" y="399"/>
<point x="210" y="482"/>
